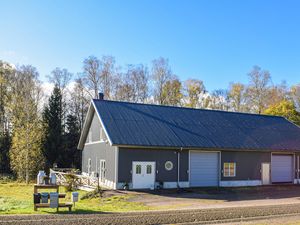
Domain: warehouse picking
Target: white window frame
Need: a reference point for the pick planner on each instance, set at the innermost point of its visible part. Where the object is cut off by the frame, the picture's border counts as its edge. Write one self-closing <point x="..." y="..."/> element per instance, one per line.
<point x="89" y="166"/>
<point x="102" y="135"/>
<point x="234" y="169"/>
<point x="90" y="137"/>
<point x="102" y="170"/>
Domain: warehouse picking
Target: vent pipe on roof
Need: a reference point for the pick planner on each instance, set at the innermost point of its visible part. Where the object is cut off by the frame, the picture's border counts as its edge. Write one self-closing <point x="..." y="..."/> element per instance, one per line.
<point x="101" y="96"/>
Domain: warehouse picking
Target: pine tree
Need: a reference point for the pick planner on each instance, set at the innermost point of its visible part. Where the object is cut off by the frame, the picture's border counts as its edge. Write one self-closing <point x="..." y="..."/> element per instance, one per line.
<point x="54" y="128"/>
<point x="72" y="156"/>
<point x="5" y="143"/>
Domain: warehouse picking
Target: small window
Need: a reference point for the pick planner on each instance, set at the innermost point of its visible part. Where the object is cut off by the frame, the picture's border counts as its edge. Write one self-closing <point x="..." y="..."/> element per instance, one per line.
<point x="149" y="169"/>
<point x="90" y="139"/>
<point x="89" y="165"/>
<point x="138" y="169"/>
<point x="229" y="169"/>
<point x="102" y="135"/>
<point x="168" y="165"/>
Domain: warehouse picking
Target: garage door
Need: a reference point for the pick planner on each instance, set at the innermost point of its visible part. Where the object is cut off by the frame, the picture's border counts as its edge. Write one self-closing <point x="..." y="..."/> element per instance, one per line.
<point x="282" y="168"/>
<point x="204" y="169"/>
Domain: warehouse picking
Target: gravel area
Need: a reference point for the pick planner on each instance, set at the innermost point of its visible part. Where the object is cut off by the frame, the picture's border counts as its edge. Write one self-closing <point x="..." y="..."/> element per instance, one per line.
<point x="203" y="216"/>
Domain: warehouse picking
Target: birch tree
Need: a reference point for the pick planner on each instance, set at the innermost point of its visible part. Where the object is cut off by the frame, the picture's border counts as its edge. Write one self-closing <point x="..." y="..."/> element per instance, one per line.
<point x="79" y="102"/>
<point x="160" y="74"/>
<point x="133" y="86"/>
<point x="6" y="73"/>
<point x="257" y="90"/>
<point x="26" y="150"/>
<point x="107" y="75"/>
<point x="91" y="76"/>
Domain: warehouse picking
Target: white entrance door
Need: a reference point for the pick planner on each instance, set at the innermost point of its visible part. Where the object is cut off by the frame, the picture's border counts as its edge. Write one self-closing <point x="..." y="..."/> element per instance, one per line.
<point x="143" y="175"/>
<point x="265" y="173"/>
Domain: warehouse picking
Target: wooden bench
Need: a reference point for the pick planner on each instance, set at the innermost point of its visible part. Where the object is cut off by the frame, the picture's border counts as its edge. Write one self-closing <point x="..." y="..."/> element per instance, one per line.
<point x="60" y="205"/>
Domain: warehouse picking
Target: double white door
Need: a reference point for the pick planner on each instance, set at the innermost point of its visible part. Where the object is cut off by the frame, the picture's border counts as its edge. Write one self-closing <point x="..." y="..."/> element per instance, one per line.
<point x="143" y="175"/>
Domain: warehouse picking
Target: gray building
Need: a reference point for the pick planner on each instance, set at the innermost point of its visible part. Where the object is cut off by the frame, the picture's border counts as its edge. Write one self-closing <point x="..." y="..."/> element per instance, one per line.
<point x="143" y="146"/>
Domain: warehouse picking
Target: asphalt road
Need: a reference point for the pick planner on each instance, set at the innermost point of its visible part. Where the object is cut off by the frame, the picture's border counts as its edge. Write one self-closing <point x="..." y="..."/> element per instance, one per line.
<point x="203" y="216"/>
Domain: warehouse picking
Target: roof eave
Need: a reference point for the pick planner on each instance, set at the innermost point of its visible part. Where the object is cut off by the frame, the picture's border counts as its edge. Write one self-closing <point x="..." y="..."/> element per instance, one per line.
<point x="206" y="148"/>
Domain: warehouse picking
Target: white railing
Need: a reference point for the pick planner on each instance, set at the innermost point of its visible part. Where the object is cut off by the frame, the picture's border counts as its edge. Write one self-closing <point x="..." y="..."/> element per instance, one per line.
<point x="80" y="179"/>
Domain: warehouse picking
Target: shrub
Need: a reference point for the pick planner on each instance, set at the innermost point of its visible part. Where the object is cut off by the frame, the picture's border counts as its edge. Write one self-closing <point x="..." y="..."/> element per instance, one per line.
<point x="97" y="193"/>
<point x="71" y="182"/>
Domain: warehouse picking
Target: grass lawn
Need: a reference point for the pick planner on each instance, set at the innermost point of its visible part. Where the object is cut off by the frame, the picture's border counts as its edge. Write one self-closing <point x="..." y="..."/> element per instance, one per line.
<point x="17" y="198"/>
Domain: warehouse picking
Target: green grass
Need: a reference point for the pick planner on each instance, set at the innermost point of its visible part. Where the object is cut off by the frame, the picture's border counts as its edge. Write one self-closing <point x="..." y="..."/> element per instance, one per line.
<point x="17" y="198"/>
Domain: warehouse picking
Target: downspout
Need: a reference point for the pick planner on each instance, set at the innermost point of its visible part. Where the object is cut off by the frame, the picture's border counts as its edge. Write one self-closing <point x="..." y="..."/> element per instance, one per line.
<point x="178" y="168"/>
<point x="298" y="169"/>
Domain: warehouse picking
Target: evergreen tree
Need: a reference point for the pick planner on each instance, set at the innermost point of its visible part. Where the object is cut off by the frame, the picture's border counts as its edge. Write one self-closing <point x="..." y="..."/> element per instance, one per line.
<point x="72" y="156"/>
<point x="54" y="128"/>
<point x="5" y="143"/>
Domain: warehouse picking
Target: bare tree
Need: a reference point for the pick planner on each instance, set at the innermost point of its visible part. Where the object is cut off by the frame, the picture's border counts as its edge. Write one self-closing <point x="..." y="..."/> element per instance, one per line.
<point x="257" y="90"/>
<point x="219" y="100"/>
<point x="107" y="75"/>
<point x="91" y="76"/>
<point x="278" y="93"/>
<point x="60" y="77"/>
<point x="99" y="75"/>
<point x="295" y="95"/>
<point x="161" y="73"/>
<point x="133" y="85"/>
<point x="79" y="101"/>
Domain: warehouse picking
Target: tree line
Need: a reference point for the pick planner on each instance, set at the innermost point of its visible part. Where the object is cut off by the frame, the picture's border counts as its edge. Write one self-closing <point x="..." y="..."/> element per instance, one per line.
<point x="37" y="131"/>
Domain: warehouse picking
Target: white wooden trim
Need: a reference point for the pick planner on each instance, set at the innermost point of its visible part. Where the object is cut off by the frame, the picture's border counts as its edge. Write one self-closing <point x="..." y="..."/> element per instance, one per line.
<point x="182" y="184"/>
<point x="116" y="166"/>
<point x="108" y="183"/>
<point x="240" y="183"/>
<point x="80" y="143"/>
<point x="166" y="185"/>
<point x="94" y="142"/>
<point x="294" y="167"/>
<point x="189" y="166"/>
<point x="234" y="171"/>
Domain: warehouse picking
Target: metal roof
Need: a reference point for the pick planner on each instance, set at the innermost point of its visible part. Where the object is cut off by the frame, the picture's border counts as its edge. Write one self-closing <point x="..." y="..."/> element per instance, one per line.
<point x="134" y="124"/>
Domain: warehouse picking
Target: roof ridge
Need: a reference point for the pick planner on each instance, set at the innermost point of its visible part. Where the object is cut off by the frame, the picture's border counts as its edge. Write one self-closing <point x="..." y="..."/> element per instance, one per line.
<point x="188" y="108"/>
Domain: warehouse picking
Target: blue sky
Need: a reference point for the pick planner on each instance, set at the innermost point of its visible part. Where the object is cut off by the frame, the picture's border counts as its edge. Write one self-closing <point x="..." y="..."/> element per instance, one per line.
<point x="215" y="41"/>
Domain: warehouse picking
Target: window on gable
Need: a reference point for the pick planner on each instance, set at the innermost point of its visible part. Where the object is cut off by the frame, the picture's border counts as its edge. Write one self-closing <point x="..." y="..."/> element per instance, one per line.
<point x="90" y="137"/>
<point x="102" y="134"/>
<point x="229" y="169"/>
